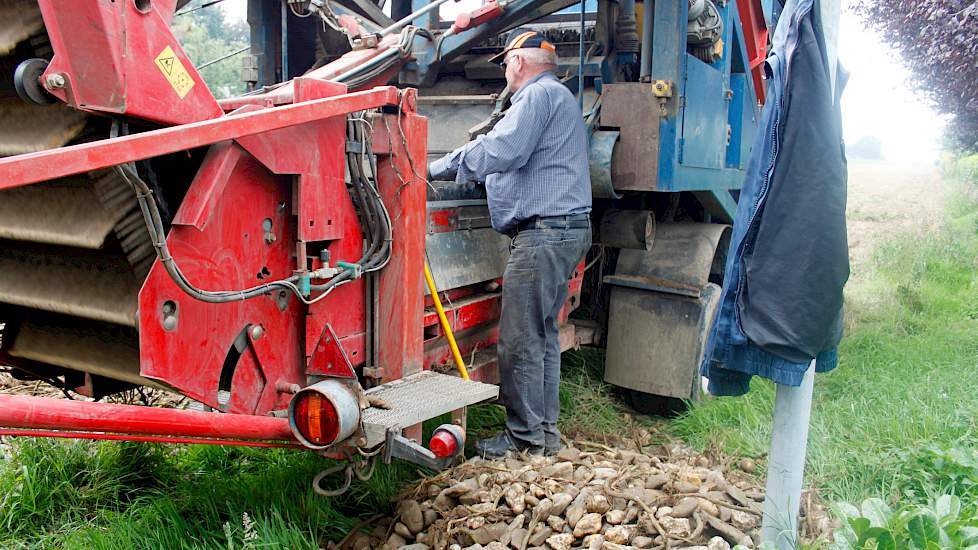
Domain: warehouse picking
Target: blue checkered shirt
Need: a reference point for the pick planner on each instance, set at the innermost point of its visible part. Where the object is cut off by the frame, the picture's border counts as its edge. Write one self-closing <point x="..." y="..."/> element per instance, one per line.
<point x="534" y="162"/>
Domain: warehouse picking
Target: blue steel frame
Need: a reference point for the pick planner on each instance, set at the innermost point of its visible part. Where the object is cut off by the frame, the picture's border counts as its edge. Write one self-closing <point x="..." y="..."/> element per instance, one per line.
<point x="709" y="124"/>
<point x="694" y="151"/>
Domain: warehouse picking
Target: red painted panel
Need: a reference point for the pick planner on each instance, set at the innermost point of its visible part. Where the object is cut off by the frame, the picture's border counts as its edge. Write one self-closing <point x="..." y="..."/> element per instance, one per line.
<point x="230" y="252"/>
<point x="118" y="59"/>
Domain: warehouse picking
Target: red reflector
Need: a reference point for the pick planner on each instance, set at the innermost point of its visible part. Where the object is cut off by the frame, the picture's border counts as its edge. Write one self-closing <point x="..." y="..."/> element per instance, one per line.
<point x="443" y="444"/>
<point x="316" y="418"/>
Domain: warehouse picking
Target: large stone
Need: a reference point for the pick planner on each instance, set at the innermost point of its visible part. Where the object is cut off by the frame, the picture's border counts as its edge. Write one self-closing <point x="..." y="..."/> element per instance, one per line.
<point x="542" y="509"/>
<point x="588" y="525"/>
<point x="642" y="541"/>
<point x="685" y="508"/>
<point x="361" y="541"/>
<point x="540" y="535"/>
<point x="412" y="516"/>
<point x="489" y="533"/>
<point x="583" y="474"/>
<point x="574" y="513"/>
<point x="656" y="481"/>
<point x="677" y="527"/>
<point x="594" y="542"/>
<point x="742" y="520"/>
<point x="396" y="541"/>
<point x="402" y="530"/>
<point x="563" y="470"/>
<point x="717" y="543"/>
<point x="415" y="546"/>
<point x="461" y="488"/>
<point x="514" y="496"/>
<point x="570" y="454"/>
<point x="708" y="507"/>
<point x="474" y="497"/>
<point x="562" y="541"/>
<point x="430" y="516"/>
<point x="560" y="503"/>
<point x="557" y="523"/>
<point x="621" y="534"/>
<point x="597" y="503"/>
<point x="615" y="517"/>
<point x="516" y="540"/>
<point x="605" y="473"/>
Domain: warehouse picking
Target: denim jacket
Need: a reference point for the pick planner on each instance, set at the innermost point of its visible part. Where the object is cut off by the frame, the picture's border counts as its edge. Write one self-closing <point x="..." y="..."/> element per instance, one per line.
<point x="781" y="305"/>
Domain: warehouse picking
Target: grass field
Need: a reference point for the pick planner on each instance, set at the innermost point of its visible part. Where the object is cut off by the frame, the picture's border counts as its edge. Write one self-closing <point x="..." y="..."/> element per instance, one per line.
<point x="896" y="420"/>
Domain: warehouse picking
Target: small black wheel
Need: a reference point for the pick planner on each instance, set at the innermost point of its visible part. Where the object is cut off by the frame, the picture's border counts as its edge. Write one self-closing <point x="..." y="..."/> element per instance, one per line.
<point x="27" y="82"/>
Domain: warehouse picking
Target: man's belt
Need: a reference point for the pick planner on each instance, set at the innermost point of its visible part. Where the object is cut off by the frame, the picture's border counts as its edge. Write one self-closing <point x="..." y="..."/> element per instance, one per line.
<point x="571" y="221"/>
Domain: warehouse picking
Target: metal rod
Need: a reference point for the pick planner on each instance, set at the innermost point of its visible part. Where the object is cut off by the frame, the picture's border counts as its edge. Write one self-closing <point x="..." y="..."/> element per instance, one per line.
<point x="786" y="462"/>
<point x="223" y="57"/>
<point x="407" y="20"/>
<point x="57" y="163"/>
<point x="41" y="413"/>
<point x="285" y="42"/>
<point x="445" y="325"/>
<point x="645" y="70"/>
<point x="144" y="438"/>
<point x="580" y="63"/>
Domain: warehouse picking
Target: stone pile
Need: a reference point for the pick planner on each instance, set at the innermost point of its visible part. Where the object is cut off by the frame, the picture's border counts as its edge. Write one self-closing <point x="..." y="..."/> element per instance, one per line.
<point x="589" y="496"/>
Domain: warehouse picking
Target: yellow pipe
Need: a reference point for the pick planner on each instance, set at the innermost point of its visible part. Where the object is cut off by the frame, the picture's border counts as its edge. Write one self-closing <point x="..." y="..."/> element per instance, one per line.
<point x="444" y="323"/>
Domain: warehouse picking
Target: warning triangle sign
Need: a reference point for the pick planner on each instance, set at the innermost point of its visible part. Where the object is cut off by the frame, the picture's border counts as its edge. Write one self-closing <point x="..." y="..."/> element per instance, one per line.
<point x="166" y="63"/>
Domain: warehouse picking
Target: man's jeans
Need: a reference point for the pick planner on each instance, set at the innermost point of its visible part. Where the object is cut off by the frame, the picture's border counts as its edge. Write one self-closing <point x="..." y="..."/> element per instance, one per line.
<point x="541" y="262"/>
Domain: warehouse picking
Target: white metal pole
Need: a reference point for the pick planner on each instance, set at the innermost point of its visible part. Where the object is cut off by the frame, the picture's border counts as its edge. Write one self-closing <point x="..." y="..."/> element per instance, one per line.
<point x="786" y="462"/>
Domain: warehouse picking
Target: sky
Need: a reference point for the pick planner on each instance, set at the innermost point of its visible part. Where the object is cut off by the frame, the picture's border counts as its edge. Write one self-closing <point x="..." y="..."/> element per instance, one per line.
<point x="877" y="100"/>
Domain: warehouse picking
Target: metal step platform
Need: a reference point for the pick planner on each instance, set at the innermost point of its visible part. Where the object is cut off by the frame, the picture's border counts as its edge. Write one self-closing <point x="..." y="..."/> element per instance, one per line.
<point x="417" y="398"/>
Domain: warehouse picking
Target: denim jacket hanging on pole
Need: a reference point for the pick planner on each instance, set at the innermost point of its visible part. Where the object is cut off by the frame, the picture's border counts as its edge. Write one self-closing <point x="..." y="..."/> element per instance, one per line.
<point x="781" y="304"/>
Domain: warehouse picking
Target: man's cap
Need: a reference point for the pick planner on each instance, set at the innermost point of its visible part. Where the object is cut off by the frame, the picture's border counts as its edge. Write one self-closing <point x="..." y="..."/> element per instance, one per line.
<point x="522" y="38"/>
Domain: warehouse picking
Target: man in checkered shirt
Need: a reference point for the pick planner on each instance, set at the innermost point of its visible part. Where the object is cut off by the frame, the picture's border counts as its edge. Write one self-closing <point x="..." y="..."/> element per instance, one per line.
<point x="534" y="164"/>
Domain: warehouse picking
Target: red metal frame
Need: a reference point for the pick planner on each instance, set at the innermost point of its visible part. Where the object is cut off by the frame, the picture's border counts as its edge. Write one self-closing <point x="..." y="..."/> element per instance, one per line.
<point x="755" y="41"/>
<point x="17" y="411"/>
<point x="144" y="438"/>
<point x="269" y="193"/>
<point x="76" y="159"/>
<point x="118" y="59"/>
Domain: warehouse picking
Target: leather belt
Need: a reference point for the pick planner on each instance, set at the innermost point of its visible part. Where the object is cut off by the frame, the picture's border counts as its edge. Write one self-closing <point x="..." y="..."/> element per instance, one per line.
<point x="571" y="221"/>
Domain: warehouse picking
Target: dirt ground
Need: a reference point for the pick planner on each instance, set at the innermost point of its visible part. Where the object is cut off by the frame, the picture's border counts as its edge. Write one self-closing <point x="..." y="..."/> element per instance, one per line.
<point x="888" y="198"/>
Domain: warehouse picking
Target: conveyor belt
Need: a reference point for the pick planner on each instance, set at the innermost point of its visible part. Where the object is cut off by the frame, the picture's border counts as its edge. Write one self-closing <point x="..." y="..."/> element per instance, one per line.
<point x="73" y="252"/>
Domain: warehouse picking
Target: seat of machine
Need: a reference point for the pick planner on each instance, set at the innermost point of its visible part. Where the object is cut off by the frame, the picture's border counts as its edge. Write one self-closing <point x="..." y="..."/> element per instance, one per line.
<point x="416" y="398"/>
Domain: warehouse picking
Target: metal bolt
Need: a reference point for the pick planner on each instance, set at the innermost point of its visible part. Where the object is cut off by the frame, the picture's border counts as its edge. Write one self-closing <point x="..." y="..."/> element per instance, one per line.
<point x="257" y="332"/>
<point x="55" y="81"/>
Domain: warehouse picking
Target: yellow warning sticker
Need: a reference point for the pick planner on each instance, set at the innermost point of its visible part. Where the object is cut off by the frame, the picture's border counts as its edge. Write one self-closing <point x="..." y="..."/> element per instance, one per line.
<point x="174" y="72"/>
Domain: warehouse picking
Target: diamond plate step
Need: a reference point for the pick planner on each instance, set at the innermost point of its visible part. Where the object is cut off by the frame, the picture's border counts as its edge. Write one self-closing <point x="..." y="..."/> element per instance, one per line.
<point x="417" y="398"/>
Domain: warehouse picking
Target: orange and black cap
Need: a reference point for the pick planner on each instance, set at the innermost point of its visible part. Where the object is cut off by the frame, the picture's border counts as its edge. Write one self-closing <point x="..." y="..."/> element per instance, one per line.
<point x="521" y="38"/>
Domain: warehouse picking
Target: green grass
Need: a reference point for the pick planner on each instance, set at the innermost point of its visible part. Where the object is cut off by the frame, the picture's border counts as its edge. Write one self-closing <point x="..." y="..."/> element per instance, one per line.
<point x="58" y="494"/>
<point x="905" y="384"/>
<point x="84" y="495"/>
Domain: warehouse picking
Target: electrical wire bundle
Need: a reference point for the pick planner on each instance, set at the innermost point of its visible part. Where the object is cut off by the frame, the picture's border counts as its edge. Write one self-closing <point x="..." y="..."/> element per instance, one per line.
<point x="375" y="220"/>
<point x="374" y="217"/>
